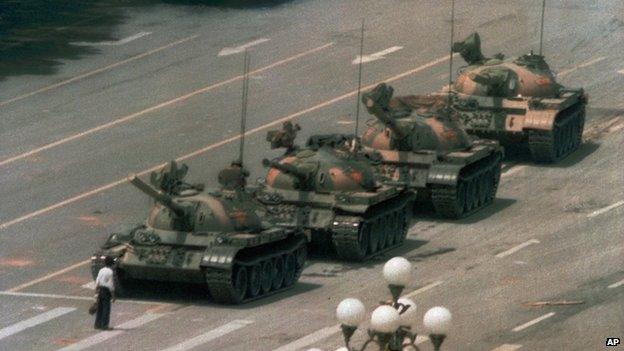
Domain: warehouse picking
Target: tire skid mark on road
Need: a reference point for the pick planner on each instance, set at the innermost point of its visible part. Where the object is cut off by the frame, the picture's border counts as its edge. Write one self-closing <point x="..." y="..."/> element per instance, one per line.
<point x="96" y="71"/>
<point x="158" y="106"/>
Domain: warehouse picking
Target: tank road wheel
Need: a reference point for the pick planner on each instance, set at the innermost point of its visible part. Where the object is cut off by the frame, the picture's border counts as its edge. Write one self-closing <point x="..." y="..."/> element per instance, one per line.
<point x="239" y="284"/>
<point x="483" y="188"/>
<point x="290" y="269"/>
<point x="254" y="280"/>
<point x="278" y="273"/>
<point x="402" y="226"/>
<point x="488" y="188"/>
<point x="227" y="288"/>
<point x="391" y="227"/>
<point x="373" y="238"/>
<point x="266" y="276"/>
<point x="301" y="255"/>
<point x="578" y="130"/>
<point x="383" y="233"/>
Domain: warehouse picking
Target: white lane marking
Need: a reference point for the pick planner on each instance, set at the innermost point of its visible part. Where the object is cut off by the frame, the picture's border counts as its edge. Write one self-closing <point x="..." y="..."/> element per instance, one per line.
<point x="209" y="336"/>
<point x="238" y="49"/>
<point x="512" y="170"/>
<point x="99" y="70"/>
<point x="424" y="288"/>
<point x="605" y="209"/>
<point x="113" y="42"/>
<point x="34" y="321"/>
<point x="621" y="71"/>
<point x="156" y="107"/>
<point x="535" y="321"/>
<point x="89" y="285"/>
<point x="74" y="297"/>
<point x="507" y="347"/>
<point x="105" y="335"/>
<point x="517" y="248"/>
<point x="617" y="284"/>
<point x="310" y="339"/>
<point x="582" y="65"/>
<point x="376" y="56"/>
<point x="48" y="276"/>
<point x="222" y="142"/>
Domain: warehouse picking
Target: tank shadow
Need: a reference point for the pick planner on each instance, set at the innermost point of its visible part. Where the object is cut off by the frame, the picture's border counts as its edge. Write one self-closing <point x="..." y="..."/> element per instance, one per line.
<point x="36" y="36"/>
<point x="577" y="156"/>
<point x="233" y="4"/>
<point x="519" y="154"/>
<point x="498" y="205"/>
<point x="198" y="295"/>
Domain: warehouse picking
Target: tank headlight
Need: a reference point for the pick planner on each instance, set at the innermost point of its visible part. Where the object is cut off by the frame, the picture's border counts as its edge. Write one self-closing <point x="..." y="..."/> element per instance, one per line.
<point x="102" y="257"/>
<point x="336" y="223"/>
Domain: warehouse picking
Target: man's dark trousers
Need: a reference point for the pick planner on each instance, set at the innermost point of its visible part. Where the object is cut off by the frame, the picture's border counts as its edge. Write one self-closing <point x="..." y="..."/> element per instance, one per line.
<point x="102" y="316"/>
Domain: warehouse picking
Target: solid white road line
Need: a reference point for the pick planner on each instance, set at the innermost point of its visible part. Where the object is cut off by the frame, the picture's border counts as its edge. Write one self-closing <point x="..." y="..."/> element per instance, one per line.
<point x="424" y="288"/>
<point x="517" y="248"/>
<point x="36" y="320"/>
<point x="48" y="276"/>
<point x="512" y="170"/>
<point x="507" y="347"/>
<point x="89" y="285"/>
<point x="605" y="209"/>
<point x="156" y="107"/>
<point x="621" y="71"/>
<point x="582" y="65"/>
<point x="105" y="335"/>
<point x="238" y="49"/>
<point x="376" y="56"/>
<point x="74" y="297"/>
<point x="209" y="336"/>
<point x="535" y="321"/>
<point x="222" y="142"/>
<point x="113" y="42"/>
<point x="310" y="339"/>
<point x="615" y="285"/>
<point x="99" y="70"/>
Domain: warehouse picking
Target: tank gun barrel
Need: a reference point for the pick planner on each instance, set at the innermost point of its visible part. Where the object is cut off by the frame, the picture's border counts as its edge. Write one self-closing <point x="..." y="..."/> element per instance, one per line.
<point x="377" y="103"/>
<point x="286" y="168"/>
<point x="164" y="199"/>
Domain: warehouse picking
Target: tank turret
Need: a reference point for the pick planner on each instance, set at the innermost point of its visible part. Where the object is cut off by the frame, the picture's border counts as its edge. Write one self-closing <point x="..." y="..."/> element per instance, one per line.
<point x="162" y="198"/>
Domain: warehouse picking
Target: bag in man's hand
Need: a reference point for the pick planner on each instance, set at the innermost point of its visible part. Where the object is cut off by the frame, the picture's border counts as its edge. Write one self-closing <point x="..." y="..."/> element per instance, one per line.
<point x="94" y="305"/>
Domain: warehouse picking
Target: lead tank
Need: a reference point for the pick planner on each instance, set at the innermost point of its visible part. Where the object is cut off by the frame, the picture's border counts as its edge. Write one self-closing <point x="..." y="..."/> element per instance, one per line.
<point x="329" y="187"/>
<point x="518" y="101"/>
<point x="423" y="145"/>
<point x="223" y="238"/>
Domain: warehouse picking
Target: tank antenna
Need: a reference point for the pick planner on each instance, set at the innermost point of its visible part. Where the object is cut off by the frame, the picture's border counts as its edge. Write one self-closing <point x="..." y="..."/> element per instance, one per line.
<point x="244" y="106"/>
<point x="451" y="52"/>
<point x="542" y="26"/>
<point x="357" y="101"/>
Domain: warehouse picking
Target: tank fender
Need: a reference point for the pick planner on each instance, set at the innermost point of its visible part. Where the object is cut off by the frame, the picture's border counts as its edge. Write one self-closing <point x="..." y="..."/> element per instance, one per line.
<point x="444" y="174"/>
<point x="540" y="119"/>
<point x="219" y="256"/>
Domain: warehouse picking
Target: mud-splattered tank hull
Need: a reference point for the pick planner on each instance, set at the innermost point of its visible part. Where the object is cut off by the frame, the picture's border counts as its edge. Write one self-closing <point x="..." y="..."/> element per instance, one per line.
<point x="552" y="128"/>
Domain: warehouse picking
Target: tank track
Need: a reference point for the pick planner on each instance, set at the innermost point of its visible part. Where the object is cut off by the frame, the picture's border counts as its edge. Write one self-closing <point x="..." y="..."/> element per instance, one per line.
<point x="354" y="237"/>
<point x="549" y="146"/>
<point x="476" y="188"/>
<point x="221" y="283"/>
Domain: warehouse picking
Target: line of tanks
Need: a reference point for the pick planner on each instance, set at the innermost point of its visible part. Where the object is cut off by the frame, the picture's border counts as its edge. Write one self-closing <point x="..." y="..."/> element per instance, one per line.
<point x="355" y="194"/>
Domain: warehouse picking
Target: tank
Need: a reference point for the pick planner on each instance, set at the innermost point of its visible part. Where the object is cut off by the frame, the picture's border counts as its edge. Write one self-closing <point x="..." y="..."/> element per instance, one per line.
<point x="518" y="101"/>
<point x="422" y="144"/>
<point x="329" y="187"/>
<point x="222" y="238"/>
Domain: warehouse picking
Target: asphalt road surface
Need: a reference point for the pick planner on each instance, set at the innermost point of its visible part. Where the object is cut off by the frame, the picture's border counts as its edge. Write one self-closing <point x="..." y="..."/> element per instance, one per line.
<point x="165" y="83"/>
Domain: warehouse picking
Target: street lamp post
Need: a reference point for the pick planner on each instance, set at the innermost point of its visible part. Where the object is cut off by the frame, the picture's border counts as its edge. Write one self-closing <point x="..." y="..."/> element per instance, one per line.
<point x="391" y="323"/>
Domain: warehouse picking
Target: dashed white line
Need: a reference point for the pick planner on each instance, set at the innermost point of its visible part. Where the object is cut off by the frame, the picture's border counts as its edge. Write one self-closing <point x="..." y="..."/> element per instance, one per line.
<point x="424" y="288"/>
<point x="209" y="336"/>
<point x="582" y="65"/>
<point x="105" y="335"/>
<point x="238" y="49"/>
<point x="376" y="56"/>
<point x="621" y="71"/>
<point x="605" y="209"/>
<point x="156" y="107"/>
<point x="517" y="248"/>
<point x="507" y="347"/>
<point x="512" y="170"/>
<point x="533" y="322"/>
<point x="48" y="276"/>
<point x="310" y="339"/>
<point x="99" y="70"/>
<point x="34" y="321"/>
<point x="113" y="42"/>
<point x="74" y="297"/>
<point x="616" y="285"/>
<point x="89" y="285"/>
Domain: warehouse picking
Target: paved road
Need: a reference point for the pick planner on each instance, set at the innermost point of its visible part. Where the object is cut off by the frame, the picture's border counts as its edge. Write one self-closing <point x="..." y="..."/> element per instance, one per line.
<point x="68" y="139"/>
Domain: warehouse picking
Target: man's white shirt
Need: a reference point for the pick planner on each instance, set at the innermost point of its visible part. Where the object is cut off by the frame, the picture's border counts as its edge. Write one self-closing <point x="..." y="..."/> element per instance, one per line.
<point x="105" y="278"/>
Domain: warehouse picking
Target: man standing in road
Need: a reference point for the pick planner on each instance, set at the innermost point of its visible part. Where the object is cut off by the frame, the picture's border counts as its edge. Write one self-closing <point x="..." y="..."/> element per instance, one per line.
<point x="105" y="287"/>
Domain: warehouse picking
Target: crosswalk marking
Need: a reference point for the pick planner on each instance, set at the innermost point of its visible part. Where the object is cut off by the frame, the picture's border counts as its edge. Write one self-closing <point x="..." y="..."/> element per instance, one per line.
<point x="36" y="320"/>
<point x="105" y="335"/>
<point x="208" y="336"/>
<point x="507" y="347"/>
